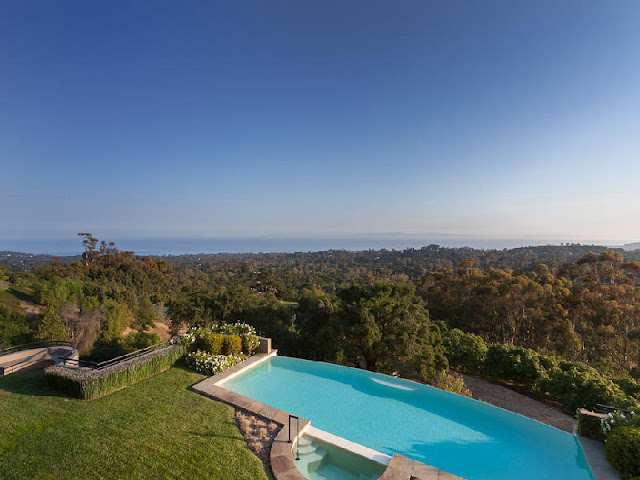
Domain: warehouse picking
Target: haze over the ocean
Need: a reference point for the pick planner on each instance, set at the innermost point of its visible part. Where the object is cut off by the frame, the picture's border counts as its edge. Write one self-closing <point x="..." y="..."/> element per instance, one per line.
<point x="148" y="119"/>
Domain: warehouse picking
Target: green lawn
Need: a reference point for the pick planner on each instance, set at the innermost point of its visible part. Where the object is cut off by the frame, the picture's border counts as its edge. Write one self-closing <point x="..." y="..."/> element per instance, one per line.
<point x="156" y="429"/>
<point x="10" y="297"/>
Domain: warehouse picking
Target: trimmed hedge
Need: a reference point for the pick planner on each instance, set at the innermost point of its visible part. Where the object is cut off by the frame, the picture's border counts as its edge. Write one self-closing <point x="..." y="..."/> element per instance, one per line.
<point x="210" y="342"/>
<point x="214" y="339"/>
<point x="231" y="345"/>
<point x="623" y="450"/>
<point x="90" y="384"/>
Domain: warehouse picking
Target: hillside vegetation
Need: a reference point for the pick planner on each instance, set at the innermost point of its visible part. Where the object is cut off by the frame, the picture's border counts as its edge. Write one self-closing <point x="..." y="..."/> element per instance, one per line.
<point x="389" y="311"/>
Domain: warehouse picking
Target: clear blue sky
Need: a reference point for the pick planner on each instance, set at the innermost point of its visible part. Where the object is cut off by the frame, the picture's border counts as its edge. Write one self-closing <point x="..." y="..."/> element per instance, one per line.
<point x="181" y="118"/>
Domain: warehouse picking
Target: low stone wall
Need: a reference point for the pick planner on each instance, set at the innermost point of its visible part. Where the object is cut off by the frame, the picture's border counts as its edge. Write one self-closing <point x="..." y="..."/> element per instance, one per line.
<point x="265" y="346"/>
<point x="589" y="424"/>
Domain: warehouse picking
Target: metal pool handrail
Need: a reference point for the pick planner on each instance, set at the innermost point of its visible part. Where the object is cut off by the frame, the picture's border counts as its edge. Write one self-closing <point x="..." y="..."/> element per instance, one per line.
<point x="297" y="433"/>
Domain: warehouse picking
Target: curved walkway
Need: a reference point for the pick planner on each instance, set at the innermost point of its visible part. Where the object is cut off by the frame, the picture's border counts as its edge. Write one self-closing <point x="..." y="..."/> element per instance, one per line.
<point x="515" y="402"/>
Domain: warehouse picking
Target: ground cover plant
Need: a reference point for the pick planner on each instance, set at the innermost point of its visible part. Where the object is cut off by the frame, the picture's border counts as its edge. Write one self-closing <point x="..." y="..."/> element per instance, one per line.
<point x="154" y="429"/>
<point x="259" y="434"/>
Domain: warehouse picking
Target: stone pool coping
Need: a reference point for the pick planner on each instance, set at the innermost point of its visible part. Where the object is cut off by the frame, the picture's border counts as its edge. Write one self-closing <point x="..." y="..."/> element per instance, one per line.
<point x="368" y="453"/>
<point x="283" y="466"/>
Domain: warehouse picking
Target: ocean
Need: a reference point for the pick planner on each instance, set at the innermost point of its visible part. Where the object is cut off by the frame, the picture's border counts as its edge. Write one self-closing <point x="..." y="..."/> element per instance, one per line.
<point x="268" y="244"/>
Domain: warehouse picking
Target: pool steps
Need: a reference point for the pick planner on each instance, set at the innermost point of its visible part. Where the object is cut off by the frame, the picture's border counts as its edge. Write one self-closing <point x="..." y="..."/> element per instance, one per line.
<point x="310" y="455"/>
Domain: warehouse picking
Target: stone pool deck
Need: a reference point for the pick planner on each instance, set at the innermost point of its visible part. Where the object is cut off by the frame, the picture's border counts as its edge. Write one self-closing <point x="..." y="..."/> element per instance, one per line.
<point x="282" y="462"/>
<point x="515" y="402"/>
<point x="404" y="468"/>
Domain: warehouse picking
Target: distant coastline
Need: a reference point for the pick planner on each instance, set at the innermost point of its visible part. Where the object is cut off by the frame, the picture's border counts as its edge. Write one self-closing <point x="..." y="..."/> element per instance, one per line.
<point x="282" y="244"/>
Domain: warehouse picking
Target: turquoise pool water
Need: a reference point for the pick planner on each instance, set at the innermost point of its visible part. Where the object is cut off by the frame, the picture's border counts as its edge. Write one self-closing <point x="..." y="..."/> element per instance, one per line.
<point x="454" y="433"/>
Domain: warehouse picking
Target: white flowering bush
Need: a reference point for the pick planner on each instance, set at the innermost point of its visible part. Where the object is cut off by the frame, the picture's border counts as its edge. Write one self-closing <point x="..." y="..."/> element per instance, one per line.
<point x="619" y="419"/>
<point x="236" y="329"/>
<point x="250" y="339"/>
<point x="206" y="363"/>
<point x="201" y="337"/>
<point x="185" y="339"/>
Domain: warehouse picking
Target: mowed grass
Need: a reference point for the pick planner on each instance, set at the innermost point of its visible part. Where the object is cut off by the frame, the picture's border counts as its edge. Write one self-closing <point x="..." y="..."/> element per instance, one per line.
<point x="10" y="297"/>
<point x="156" y="429"/>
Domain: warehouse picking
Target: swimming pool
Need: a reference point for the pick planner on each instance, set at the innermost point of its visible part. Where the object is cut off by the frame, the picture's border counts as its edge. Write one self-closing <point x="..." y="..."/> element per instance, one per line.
<point x="453" y="433"/>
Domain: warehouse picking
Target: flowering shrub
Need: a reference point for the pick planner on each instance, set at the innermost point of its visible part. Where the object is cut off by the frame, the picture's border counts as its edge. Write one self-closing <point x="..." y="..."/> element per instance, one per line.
<point x="236" y="329"/>
<point x="620" y="419"/>
<point x="185" y="339"/>
<point x="250" y="343"/>
<point x="212" y="338"/>
<point x="204" y="362"/>
<point x="250" y="340"/>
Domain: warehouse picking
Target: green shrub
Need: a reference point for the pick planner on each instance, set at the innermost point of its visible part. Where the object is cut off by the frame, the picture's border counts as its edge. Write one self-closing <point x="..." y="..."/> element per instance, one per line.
<point x="250" y="343"/>
<point x="139" y="340"/>
<point x="630" y="418"/>
<point x="209" y="341"/>
<point x="90" y="384"/>
<point x="451" y="382"/>
<point x="623" y="450"/>
<point x="103" y="350"/>
<point x="465" y="351"/>
<point x="250" y="339"/>
<point x="577" y="385"/>
<point x="518" y="364"/>
<point x="210" y="338"/>
<point x="231" y="345"/>
<point x="629" y="386"/>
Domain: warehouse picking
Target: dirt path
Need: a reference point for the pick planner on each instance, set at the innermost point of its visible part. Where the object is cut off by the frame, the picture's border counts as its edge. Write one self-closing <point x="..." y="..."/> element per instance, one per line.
<point x="515" y="402"/>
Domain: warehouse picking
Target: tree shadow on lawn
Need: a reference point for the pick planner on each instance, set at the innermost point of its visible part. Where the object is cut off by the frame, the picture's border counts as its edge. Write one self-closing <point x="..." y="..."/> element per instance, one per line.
<point x="24" y="296"/>
<point x="182" y="365"/>
<point x="29" y="383"/>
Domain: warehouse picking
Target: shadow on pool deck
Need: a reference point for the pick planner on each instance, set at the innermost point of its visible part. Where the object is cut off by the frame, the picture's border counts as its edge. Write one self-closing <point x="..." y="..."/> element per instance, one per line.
<point x="594" y="451"/>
